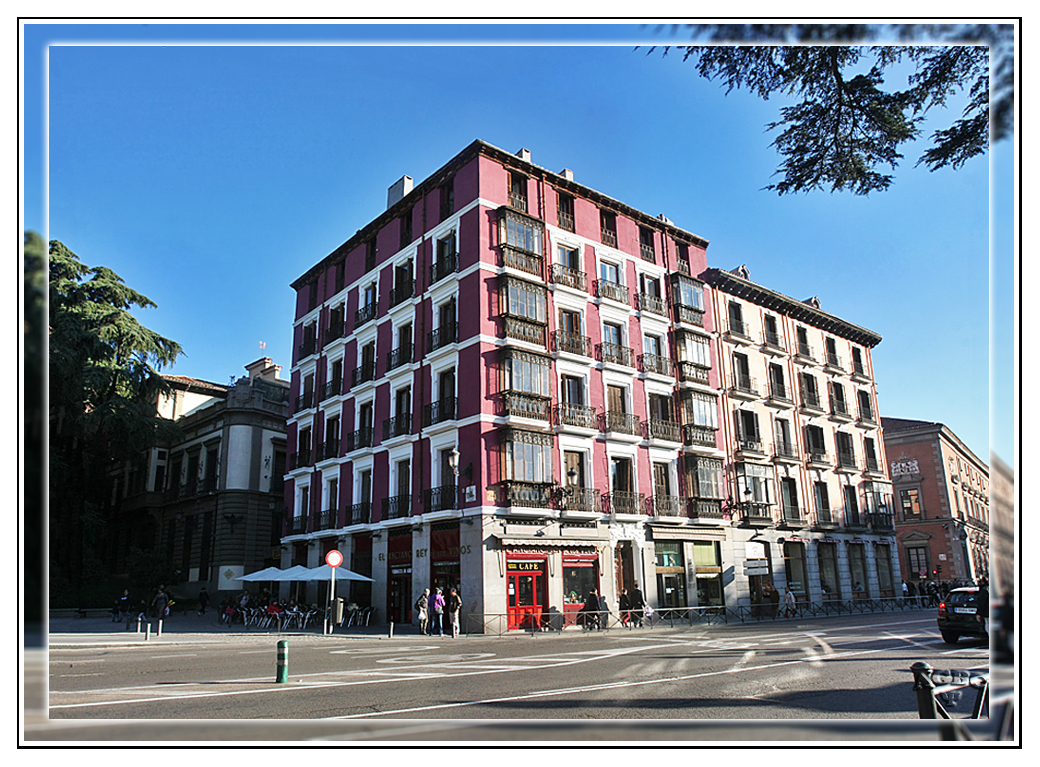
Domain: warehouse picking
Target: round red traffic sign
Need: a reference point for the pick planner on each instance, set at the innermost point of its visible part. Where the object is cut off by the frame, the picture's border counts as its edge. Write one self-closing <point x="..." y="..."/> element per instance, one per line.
<point x="334" y="558"/>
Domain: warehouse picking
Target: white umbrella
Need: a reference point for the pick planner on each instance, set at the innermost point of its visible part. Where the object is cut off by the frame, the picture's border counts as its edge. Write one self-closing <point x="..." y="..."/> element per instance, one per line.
<point x="324" y="573"/>
<point x="295" y="573"/>
<point x="267" y="574"/>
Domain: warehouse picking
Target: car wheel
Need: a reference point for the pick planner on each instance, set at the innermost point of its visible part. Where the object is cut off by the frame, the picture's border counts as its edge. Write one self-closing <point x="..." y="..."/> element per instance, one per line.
<point x="949" y="637"/>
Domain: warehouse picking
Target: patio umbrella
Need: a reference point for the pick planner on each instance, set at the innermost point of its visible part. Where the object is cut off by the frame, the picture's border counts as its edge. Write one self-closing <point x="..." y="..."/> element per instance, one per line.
<point x="267" y="574"/>
<point x="295" y="573"/>
<point x="324" y="573"/>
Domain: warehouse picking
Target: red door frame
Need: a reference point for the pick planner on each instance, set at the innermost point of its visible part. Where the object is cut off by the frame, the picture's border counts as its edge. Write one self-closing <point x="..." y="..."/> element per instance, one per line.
<point x="525" y="616"/>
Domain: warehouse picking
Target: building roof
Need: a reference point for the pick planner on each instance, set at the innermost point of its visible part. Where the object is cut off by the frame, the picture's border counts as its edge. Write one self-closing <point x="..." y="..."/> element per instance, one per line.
<point x="479" y="147"/>
<point x="804" y="311"/>
<point x="907" y="424"/>
<point x="195" y="384"/>
<point x="903" y="427"/>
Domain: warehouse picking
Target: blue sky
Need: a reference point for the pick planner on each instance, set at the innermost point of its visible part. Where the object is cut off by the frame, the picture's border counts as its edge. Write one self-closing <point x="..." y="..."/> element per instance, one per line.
<point x="211" y="174"/>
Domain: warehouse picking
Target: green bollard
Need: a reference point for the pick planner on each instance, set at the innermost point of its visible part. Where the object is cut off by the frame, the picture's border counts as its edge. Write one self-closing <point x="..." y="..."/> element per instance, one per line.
<point x="283" y="662"/>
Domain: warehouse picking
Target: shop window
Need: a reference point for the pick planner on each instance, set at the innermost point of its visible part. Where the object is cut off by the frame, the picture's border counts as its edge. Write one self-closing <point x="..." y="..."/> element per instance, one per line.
<point x="830" y="585"/>
<point x="858" y="571"/>
<point x="883" y="561"/>
<point x="794" y="565"/>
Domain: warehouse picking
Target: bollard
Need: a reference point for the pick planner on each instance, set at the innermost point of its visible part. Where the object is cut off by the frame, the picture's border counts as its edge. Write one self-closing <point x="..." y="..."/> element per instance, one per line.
<point x="138" y="624"/>
<point x="391" y="629"/>
<point x="158" y="628"/>
<point x="147" y="630"/>
<point x="925" y="689"/>
<point x="283" y="662"/>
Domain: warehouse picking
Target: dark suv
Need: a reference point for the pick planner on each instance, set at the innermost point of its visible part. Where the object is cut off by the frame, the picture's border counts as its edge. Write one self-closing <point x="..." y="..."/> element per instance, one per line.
<point x="965" y="612"/>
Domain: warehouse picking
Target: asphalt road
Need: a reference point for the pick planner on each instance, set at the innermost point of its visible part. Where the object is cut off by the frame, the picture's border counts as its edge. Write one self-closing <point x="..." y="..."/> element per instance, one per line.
<point x="833" y="671"/>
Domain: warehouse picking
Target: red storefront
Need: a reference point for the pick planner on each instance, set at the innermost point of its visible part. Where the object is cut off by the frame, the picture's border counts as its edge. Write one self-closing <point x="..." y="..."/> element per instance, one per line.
<point x="526" y="589"/>
<point x="445" y="552"/>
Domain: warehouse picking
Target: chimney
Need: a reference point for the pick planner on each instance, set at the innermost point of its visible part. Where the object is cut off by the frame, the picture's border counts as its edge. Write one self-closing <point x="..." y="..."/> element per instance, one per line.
<point x="263" y="368"/>
<point x="663" y="217"/>
<point x="524" y="154"/>
<point x="397" y="192"/>
<point x="567" y="173"/>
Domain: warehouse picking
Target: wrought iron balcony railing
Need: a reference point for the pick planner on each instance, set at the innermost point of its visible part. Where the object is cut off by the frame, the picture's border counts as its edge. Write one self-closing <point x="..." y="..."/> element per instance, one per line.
<point x="359" y="439"/>
<point x="689" y="314"/>
<point x="397" y="506"/>
<point x="623" y="502"/>
<point x="581" y="416"/>
<point x="526" y="494"/>
<point x="571" y="278"/>
<point x="655" y="363"/>
<point x="525" y="405"/>
<point x="613" y="291"/>
<point x="668" y="506"/>
<point x="446" y="264"/>
<point x="364" y="314"/>
<point x="360" y="513"/>
<point x="367" y="372"/>
<point x="623" y="423"/>
<point x="700" y="436"/>
<point x="332" y="388"/>
<point x="616" y="354"/>
<point x="572" y="343"/>
<point x="397" y="426"/>
<point x="440" y="411"/>
<point x="442" y="336"/>
<point x="652" y="304"/>
<point x="440" y="498"/>
<point x="693" y="372"/>
<point x="525" y="262"/>
<point x="664" y="430"/>
<point x="399" y="356"/>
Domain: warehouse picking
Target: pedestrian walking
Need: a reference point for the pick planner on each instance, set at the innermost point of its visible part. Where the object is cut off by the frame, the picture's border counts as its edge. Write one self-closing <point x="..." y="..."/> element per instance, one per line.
<point x="774" y="599"/>
<point x="422" y="605"/>
<point x="789" y="603"/>
<point x="437" y="613"/>
<point x="203" y="600"/>
<point x="453" y="605"/>
<point x="624" y="606"/>
<point x="160" y="603"/>
<point x="122" y="608"/>
<point x="636" y="605"/>
<point x="906" y="591"/>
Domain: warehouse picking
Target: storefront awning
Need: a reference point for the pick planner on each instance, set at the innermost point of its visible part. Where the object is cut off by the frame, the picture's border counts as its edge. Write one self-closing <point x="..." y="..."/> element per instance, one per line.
<point x="685" y="534"/>
<point x="505" y="541"/>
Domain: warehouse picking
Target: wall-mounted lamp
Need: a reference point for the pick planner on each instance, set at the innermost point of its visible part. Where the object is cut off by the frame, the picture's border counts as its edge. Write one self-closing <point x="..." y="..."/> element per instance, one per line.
<point x="466" y="521"/>
<point x="232" y="520"/>
<point x="453" y="462"/>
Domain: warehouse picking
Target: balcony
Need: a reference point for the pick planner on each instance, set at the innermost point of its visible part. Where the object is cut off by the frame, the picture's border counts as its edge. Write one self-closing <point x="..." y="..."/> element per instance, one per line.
<point x="612" y="291"/>
<point x="570" y="278"/>
<point x="334" y="331"/>
<point x="522" y="330"/>
<point x="398" y="426"/>
<point x="447" y="264"/>
<point x="327" y="520"/>
<point x="364" y="314"/>
<point x="824" y="519"/>
<point x="840" y="410"/>
<point x="654" y="363"/>
<point x="359" y="439"/>
<point x="705" y="510"/>
<point x="438" y="412"/>
<point x="298" y="525"/>
<point x="872" y="465"/>
<point x="615" y="354"/>
<point x="804" y="352"/>
<point x="441" y="337"/>
<point x="881" y="522"/>
<point x="329" y="448"/>
<point x="367" y="372"/>
<point x="522" y="260"/>
<point x="528" y="495"/>
<point x="305" y="401"/>
<point x="622" y="423"/>
<point x="833" y="363"/>
<point x="698" y="436"/>
<point x="608" y="237"/>
<point x="524" y="405"/>
<point x="307" y="348"/>
<point x="440" y="498"/>
<point x="689" y="315"/>
<point x="859" y="373"/>
<point x="360" y="514"/>
<point x="866" y="416"/>
<point x="755" y="514"/>
<point x="565" y="220"/>
<point x="518" y="201"/>
<point x="580" y="416"/>
<point x="583" y="499"/>
<point x="744" y="386"/>
<point x="622" y="502"/>
<point x="811" y="401"/>
<point x="855" y="521"/>
<point x="399" y="356"/>
<point x="738" y="330"/>
<point x="779" y="395"/>
<point x="847" y="460"/>
<point x="750" y="446"/>
<point x="402" y="292"/>
<point x="572" y="343"/>
<point x="299" y="459"/>
<point x="653" y="304"/>
<point x="663" y="430"/>
<point x="819" y="457"/>
<point x="786" y="452"/>
<point x="332" y="388"/>
<point x="693" y="372"/>
<point x="646" y="252"/>
<point x="668" y="506"/>
<point x="397" y="507"/>
<point x="794" y="516"/>
<point x="772" y="343"/>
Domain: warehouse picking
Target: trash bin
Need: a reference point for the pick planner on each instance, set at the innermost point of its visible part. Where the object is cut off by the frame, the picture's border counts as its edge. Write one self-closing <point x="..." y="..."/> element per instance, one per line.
<point x="337" y="610"/>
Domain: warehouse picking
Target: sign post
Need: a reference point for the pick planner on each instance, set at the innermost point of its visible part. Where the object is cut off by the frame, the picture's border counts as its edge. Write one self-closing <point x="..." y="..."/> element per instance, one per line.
<point x="333" y="559"/>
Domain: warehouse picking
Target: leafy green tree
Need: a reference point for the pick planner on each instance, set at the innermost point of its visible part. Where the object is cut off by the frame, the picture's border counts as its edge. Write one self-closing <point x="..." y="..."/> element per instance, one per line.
<point x="34" y="342"/>
<point x="104" y="387"/>
<point x="847" y="124"/>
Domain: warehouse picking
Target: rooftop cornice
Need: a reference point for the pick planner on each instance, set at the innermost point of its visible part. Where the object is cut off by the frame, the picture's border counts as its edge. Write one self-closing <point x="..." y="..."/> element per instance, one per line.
<point x="730" y="283"/>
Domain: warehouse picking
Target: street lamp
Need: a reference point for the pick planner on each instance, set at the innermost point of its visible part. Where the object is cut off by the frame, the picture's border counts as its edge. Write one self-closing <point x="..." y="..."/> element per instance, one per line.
<point x="560" y="494"/>
<point x="740" y="507"/>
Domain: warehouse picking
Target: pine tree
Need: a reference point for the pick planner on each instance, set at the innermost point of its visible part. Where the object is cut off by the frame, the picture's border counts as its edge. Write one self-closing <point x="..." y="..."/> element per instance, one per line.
<point x="104" y="386"/>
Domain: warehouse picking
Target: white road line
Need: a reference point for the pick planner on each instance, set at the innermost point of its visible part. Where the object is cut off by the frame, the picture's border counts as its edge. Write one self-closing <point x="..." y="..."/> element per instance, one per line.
<point x="67" y="676"/>
<point x="178" y="655"/>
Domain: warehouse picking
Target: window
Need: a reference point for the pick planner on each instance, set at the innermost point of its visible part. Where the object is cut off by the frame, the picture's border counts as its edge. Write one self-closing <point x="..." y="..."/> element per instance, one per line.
<point x="370" y="255"/>
<point x="448" y="199"/>
<point x="652" y="345"/>
<point x="736" y="319"/>
<point x="804" y="349"/>
<point x="857" y="362"/>
<point x="789" y="498"/>
<point x="608" y="228"/>
<point x="406" y="228"/>
<point x="693" y="348"/>
<point x="523" y="372"/>
<point x="646" y="243"/>
<point x="756" y="478"/>
<point x="747" y="429"/>
<point x="772" y="334"/>
<point x="883" y="562"/>
<point x="866" y="412"/>
<point x="784" y="442"/>
<point x="661" y="407"/>
<point x="870" y="453"/>
<point x="794" y="565"/>
<point x="858" y="570"/>
<point x="565" y="211"/>
<point x="518" y="191"/>
<point x="527" y="455"/>
<point x="810" y="394"/>
<point x="814" y="443"/>
<point x="742" y="373"/>
<point x="827" y="554"/>
<point x="838" y="404"/>
<point x="823" y="501"/>
<point x="682" y="253"/>
<point x="777" y="388"/>
<point x="610" y="272"/>
<point x="846" y="453"/>
<point x="616" y="399"/>
<point x="520" y="232"/>
<point x="708" y="478"/>
<point x="568" y="257"/>
<point x="699" y="410"/>
<point x="524" y="300"/>
<point x="572" y="390"/>
<point x="917" y="561"/>
<point x="649" y="286"/>
<point x="621" y="475"/>
<point x="832" y="353"/>
<point x="851" y="506"/>
<point x="689" y="293"/>
<point x="612" y="334"/>
<point x="910" y="502"/>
